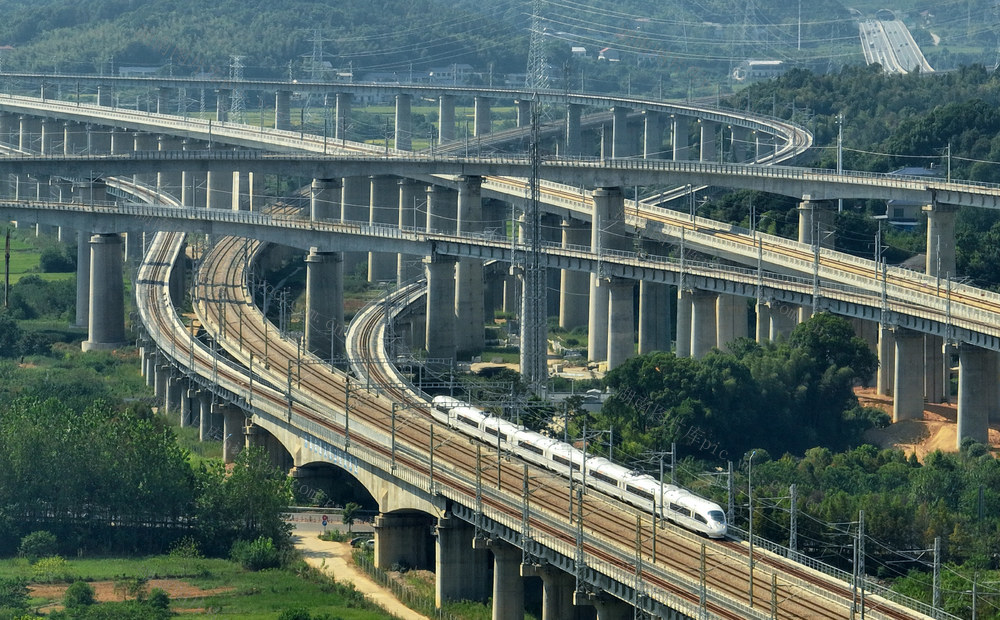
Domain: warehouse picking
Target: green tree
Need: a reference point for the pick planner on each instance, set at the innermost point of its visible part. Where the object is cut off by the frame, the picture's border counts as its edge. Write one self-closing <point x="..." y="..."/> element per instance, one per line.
<point x="348" y="515"/>
<point x="38" y="544"/>
<point x="13" y="593"/>
<point x="80" y="594"/>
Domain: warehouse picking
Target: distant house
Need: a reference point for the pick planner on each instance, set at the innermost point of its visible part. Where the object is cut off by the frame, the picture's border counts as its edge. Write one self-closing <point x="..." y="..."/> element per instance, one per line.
<point x="754" y="70"/>
<point x="456" y="74"/>
<point x="137" y="71"/>
<point x="906" y="213"/>
<point x="578" y="51"/>
<point x="610" y="55"/>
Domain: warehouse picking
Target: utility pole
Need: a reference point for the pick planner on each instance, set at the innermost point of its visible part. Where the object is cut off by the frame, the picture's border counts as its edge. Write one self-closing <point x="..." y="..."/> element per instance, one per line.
<point x="793" y="534"/>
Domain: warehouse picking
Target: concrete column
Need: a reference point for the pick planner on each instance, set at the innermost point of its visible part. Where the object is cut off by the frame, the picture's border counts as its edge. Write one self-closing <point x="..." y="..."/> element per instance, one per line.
<point x="383" y="210"/>
<point x="355" y="206"/>
<point x="709" y="150"/>
<point x="30" y="129"/>
<point x="189" y="408"/>
<point x="98" y="139"/>
<point x="9" y="128"/>
<point x="141" y="142"/>
<point x="82" y="279"/>
<point x="410" y="195"/>
<point x="597" y="336"/>
<point x="784" y="318"/>
<point x="816" y="218"/>
<point x="652" y="134"/>
<point x="222" y="104"/>
<point x="205" y="430"/>
<point x="523" y="112"/>
<point x="403" y="539"/>
<point x="107" y="296"/>
<point x="681" y="136"/>
<point x="684" y="325"/>
<point x="161" y="375"/>
<point x="220" y="188"/>
<point x="163" y="100"/>
<point x="974" y="407"/>
<point x="606" y="232"/>
<point x="482" y="123"/>
<point x="886" y="360"/>
<point x="703" y="318"/>
<point x="740" y="144"/>
<point x="461" y="573"/>
<point x="557" y="591"/>
<point x="731" y="314"/>
<point x="621" y="322"/>
<point x="325" y="303"/>
<point x="574" y="286"/>
<point x="941" y="239"/>
<point x="169" y="182"/>
<point x="610" y="608"/>
<point x="193" y="184"/>
<point x="621" y="146"/>
<point x="404" y="123"/>
<point x="324" y="199"/>
<point x="440" y="339"/>
<point x="105" y="96"/>
<point x="233" y="421"/>
<point x="52" y="131"/>
<point x="469" y="310"/>
<point x="446" y="119"/>
<point x="508" y="587"/>
<point x="908" y="399"/>
<point x="574" y="141"/>
<point x="654" y="317"/>
<point x="342" y="127"/>
<point x="283" y="110"/>
<point x="172" y="402"/>
<point x="442" y="209"/>
<point x="935" y="369"/>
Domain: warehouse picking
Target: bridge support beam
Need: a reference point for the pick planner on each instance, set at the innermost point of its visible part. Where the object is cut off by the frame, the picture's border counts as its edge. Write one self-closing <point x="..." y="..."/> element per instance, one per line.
<point x="469" y="309"/>
<point x="481" y="116"/>
<point x="206" y="429"/>
<point x="574" y="141"/>
<point x="621" y="321"/>
<point x="574" y="286"/>
<point x="508" y="586"/>
<point x="681" y="134"/>
<point x="936" y="369"/>
<point x="731" y="313"/>
<point x="739" y="145"/>
<point x="355" y="205"/>
<point x="408" y="266"/>
<point x="30" y="131"/>
<point x="51" y="132"/>
<point x="404" y="123"/>
<point x="606" y="232"/>
<point x="403" y="539"/>
<point x="141" y="142"/>
<point x="652" y="134"/>
<point x="161" y="375"/>
<point x="621" y="145"/>
<point x="703" y="322"/>
<point x="283" y="110"/>
<point x="446" y="119"/>
<point x="974" y="406"/>
<point x="557" y="591"/>
<point x="442" y="209"/>
<point x="941" y="240"/>
<point x="886" y="360"/>
<point x="461" y="573"/>
<point x="169" y="182"/>
<point x="383" y="209"/>
<point x="342" y="127"/>
<point x="654" y="317"/>
<point x="324" y="200"/>
<point x="684" y="311"/>
<point x="325" y="303"/>
<point x="908" y="399"/>
<point x="193" y="183"/>
<point x="233" y="421"/>
<point x="107" y="297"/>
<point x="708" y="149"/>
<point x="816" y="221"/>
<point x="440" y="334"/>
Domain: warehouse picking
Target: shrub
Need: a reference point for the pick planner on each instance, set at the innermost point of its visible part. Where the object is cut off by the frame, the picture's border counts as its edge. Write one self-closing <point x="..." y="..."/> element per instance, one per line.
<point x="13" y="593"/>
<point x="80" y="594"/>
<point x="38" y="544"/>
<point x="295" y="613"/>
<point x="186" y="547"/>
<point x="159" y="599"/>
<point x="257" y="554"/>
<point x="54" y="260"/>
<point x="50" y="569"/>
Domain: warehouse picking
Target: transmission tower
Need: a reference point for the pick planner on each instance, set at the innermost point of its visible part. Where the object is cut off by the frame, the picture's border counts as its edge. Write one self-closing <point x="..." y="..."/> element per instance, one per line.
<point x="317" y="70"/>
<point x="238" y="105"/>
<point x="536" y="78"/>
<point x="534" y="332"/>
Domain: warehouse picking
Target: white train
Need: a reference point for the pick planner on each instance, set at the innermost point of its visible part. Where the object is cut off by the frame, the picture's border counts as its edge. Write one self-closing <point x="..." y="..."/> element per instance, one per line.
<point x="642" y="491"/>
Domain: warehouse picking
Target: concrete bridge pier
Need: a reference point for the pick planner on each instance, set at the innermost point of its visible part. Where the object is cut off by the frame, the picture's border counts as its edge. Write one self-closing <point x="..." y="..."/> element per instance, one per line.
<point x="98" y="139"/>
<point x="739" y="144"/>
<point x="51" y="136"/>
<point x="886" y="360"/>
<point x="440" y="334"/>
<point x="652" y="134"/>
<point x="354" y="207"/>
<point x="105" y="96"/>
<point x="176" y="386"/>
<point x="193" y="187"/>
<point x="233" y="422"/>
<point x="557" y="591"/>
<point x="404" y="539"/>
<point x="29" y="133"/>
<point x="817" y="221"/>
<point x="204" y="401"/>
<point x="908" y="378"/>
<point x="703" y="322"/>
<point x="223" y="97"/>
<point x="936" y="369"/>
<point x="708" y="149"/>
<point x="82" y="278"/>
<point x="324" y="199"/>
<point x="107" y="296"/>
<point x="597" y="332"/>
<point x="383" y="210"/>
<point x="220" y="188"/>
<point x="161" y="375"/>
<point x="784" y="318"/>
<point x="974" y="405"/>
<point x="404" y="123"/>
<point x="325" y="303"/>
<point x="169" y="182"/>
<point x="446" y="119"/>
<point x="731" y="312"/>
<point x="461" y="573"/>
<point x="141" y="142"/>
<point x="606" y="233"/>
<point x="442" y="209"/>
<point x="654" y="317"/>
<point x="621" y="321"/>
<point x="523" y="112"/>
<point x="9" y="128"/>
<point x="189" y="406"/>
<point x="621" y="146"/>
<point x="481" y="116"/>
<point x="574" y="138"/>
<point x="469" y="310"/>
<point x="680" y="138"/>
<point x="610" y="608"/>
<point x="508" y="586"/>
<point x="941" y="240"/>
<point x="574" y="286"/>
<point x="283" y="110"/>
<point x="122" y="141"/>
<point x="684" y="311"/>
<point x="163" y="100"/>
<point x="342" y="125"/>
<point x="411" y="193"/>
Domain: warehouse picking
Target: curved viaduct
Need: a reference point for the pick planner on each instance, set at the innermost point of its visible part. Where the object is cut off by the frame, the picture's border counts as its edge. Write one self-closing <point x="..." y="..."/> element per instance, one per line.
<point x="840" y="283"/>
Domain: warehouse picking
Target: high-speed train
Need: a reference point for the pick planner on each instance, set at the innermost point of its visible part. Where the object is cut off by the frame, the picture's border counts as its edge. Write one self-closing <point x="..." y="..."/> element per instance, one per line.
<point x="640" y="490"/>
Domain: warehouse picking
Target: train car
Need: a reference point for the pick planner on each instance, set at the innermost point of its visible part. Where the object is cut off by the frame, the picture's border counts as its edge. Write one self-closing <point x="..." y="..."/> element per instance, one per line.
<point x="444" y="404"/>
<point x="694" y="513"/>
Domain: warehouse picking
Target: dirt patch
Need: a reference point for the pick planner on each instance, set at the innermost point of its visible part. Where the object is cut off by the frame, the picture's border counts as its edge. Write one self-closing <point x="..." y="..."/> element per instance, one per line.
<point x="104" y="591"/>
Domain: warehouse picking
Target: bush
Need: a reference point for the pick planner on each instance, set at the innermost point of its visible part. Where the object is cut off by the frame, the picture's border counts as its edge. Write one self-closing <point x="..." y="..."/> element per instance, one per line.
<point x="55" y="260"/>
<point x="80" y="594"/>
<point x="257" y="554"/>
<point x="50" y="569"/>
<point x="186" y="547"/>
<point x="38" y="544"/>
<point x="159" y="599"/>
<point x="295" y="613"/>
<point x="13" y="593"/>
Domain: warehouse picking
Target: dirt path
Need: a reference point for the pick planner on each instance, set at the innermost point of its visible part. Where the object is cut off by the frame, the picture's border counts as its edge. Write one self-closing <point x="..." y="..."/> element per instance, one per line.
<point x="335" y="560"/>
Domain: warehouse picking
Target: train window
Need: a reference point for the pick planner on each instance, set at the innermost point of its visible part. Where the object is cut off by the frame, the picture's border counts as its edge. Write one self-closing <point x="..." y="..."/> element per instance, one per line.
<point x="469" y="421"/>
<point x="680" y="509"/>
<point x="640" y="492"/>
<point x="699" y="518"/>
<point x="530" y="447"/>
<point x="604" y="477"/>
<point x="562" y="460"/>
<point x="717" y="515"/>
<point x="492" y="431"/>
